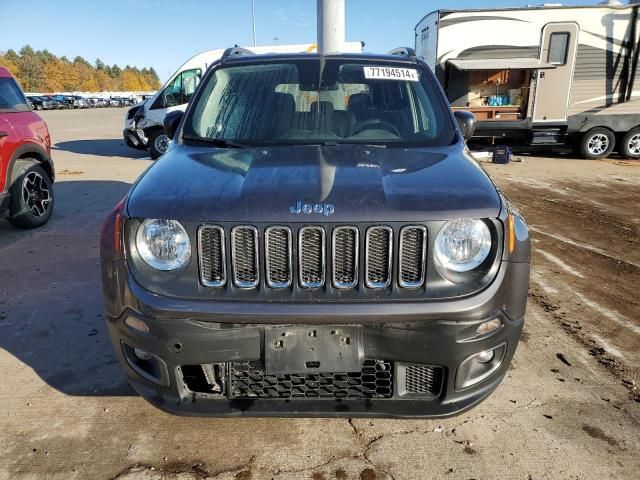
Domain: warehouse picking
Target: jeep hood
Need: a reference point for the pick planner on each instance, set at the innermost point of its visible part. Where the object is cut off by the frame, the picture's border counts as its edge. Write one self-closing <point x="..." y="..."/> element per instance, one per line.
<point x="362" y="184"/>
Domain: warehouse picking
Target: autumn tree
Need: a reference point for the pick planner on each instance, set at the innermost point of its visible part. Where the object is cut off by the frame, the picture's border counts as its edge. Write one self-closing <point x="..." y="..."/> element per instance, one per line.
<point x="42" y="71"/>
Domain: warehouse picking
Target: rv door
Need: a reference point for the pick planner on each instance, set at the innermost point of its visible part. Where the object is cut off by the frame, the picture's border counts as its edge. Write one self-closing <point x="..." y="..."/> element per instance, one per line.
<point x="553" y="86"/>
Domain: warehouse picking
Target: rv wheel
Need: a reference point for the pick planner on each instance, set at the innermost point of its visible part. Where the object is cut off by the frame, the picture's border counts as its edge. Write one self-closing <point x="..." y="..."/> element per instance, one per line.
<point x="597" y="143"/>
<point x="630" y="147"/>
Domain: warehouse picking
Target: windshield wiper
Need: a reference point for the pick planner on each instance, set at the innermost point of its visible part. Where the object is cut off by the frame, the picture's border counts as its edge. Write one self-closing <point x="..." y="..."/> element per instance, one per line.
<point x="218" y="142"/>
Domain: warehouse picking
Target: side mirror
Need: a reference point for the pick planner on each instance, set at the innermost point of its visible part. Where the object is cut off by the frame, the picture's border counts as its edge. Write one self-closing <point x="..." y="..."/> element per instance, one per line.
<point x="171" y="122"/>
<point x="466" y="122"/>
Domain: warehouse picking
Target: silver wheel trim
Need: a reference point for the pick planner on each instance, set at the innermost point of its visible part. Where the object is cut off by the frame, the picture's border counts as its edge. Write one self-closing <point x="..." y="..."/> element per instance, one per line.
<point x="161" y="143"/>
<point x="634" y="144"/>
<point x="36" y="194"/>
<point x="598" y="144"/>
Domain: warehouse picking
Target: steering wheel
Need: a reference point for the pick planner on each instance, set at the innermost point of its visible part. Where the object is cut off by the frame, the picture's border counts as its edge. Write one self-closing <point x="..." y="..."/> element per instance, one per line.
<point x="376" y="123"/>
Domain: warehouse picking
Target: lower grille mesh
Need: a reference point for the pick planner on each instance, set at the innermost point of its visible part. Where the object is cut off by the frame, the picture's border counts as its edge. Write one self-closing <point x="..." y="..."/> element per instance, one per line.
<point x="375" y="380"/>
<point x="421" y="379"/>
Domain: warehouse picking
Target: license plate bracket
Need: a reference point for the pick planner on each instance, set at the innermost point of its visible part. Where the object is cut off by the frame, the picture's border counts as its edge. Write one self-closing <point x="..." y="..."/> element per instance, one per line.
<point x="313" y="349"/>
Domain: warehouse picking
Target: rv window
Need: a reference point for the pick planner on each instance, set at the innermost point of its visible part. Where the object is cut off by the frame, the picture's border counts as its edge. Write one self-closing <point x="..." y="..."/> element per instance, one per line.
<point x="558" y="47"/>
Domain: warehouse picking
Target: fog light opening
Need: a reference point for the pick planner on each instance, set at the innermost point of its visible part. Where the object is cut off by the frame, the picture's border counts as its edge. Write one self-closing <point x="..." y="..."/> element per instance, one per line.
<point x="479" y="366"/>
<point x="149" y="366"/>
<point x="142" y="354"/>
<point x="484" y="357"/>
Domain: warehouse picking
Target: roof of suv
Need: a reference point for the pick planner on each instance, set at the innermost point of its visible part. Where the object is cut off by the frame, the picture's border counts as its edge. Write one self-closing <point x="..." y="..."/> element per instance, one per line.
<point x="269" y="57"/>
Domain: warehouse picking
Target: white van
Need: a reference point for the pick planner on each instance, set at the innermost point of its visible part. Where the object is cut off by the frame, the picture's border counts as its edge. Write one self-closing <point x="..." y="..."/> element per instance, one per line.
<point x="143" y="123"/>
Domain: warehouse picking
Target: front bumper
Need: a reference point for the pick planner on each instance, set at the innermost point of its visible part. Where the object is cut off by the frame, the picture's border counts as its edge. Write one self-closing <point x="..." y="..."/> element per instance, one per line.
<point x="194" y="333"/>
<point x="134" y="138"/>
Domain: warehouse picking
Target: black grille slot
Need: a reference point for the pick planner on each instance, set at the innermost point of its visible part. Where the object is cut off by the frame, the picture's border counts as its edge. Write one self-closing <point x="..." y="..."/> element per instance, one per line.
<point x="212" y="257"/>
<point x="413" y="248"/>
<point x="311" y="257"/>
<point x="379" y="245"/>
<point x="278" y="256"/>
<point x="345" y="257"/>
<point x="374" y="380"/>
<point x="244" y="249"/>
<point x="423" y="380"/>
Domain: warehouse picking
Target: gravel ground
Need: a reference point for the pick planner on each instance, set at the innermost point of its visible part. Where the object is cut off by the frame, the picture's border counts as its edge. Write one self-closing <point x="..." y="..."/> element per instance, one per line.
<point x="568" y="409"/>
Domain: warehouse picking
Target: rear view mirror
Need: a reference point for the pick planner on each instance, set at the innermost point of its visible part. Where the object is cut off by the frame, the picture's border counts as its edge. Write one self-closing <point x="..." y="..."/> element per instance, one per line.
<point x="171" y="122"/>
<point x="466" y="122"/>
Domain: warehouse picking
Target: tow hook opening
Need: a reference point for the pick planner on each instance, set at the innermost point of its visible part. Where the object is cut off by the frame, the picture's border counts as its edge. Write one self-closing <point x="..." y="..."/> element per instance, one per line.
<point x="209" y="378"/>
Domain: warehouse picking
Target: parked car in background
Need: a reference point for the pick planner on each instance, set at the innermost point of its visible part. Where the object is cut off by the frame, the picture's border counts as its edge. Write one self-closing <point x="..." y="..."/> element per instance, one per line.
<point x="41" y="103"/>
<point x="26" y="168"/>
<point x="79" y="102"/>
<point x="57" y="104"/>
<point x="114" y="102"/>
<point x="67" y="102"/>
<point x="94" y="102"/>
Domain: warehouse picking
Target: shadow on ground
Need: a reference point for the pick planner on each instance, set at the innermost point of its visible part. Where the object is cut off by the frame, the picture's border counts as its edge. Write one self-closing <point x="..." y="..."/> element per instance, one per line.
<point x="108" y="147"/>
<point x="50" y="299"/>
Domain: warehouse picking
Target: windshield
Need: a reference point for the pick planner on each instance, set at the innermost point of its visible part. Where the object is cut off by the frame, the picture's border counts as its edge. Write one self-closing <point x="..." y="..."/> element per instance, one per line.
<point x="322" y="101"/>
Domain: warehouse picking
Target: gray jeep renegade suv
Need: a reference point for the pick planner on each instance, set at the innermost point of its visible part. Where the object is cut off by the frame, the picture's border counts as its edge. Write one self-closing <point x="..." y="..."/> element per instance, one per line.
<point x="316" y="241"/>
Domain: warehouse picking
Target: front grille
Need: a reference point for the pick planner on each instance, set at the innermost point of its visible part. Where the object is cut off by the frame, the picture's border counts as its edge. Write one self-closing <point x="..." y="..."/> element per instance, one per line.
<point x="423" y="380"/>
<point x="412" y="256"/>
<point x="379" y="249"/>
<point x="278" y="256"/>
<point x="374" y="380"/>
<point x="244" y="251"/>
<point x="345" y="257"/>
<point x="312" y="257"/>
<point x="304" y="257"/>
<point x="213" y="271"/>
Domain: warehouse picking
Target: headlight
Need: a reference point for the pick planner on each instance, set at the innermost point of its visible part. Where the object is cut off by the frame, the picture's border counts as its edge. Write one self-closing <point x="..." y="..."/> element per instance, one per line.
<point x="163" y="244"/>
<point x="462" y="245"/>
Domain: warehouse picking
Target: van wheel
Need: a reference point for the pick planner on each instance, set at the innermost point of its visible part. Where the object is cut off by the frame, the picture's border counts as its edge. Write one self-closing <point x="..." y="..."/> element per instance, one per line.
<point x="597" y="143"/>
<point x="158" y="143"/>
<point x="31" y="196"/>
<point x="630" y="147"/>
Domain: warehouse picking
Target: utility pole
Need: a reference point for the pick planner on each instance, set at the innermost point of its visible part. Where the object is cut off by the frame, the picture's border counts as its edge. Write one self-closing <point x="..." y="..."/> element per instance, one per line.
<point x="331" y="31"/>
<point x="253" y="20"/>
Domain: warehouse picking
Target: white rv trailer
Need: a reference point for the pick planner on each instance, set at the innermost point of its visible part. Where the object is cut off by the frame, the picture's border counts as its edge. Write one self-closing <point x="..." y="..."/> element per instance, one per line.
<point x="143" y="123"/>
<point x="542" y="76"/>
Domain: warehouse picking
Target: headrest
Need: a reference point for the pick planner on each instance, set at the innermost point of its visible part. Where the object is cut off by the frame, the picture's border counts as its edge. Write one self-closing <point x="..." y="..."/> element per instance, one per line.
<point x="361" y="100"/>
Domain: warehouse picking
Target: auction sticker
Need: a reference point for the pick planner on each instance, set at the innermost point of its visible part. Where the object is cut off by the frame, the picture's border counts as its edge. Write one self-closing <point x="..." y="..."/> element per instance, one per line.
<point x="391" y="73"/>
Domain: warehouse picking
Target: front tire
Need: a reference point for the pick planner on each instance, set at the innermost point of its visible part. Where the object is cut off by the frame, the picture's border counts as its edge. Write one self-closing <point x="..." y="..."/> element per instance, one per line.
<point x="31" y="196"/>
<point x="158" y="143"/>
<point x="597" y="143"/>
<point x="630" y="146"/>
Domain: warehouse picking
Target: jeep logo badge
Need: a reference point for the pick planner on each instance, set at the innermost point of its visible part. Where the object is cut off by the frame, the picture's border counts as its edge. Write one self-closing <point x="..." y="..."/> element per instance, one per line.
<point x="325" y="209"/>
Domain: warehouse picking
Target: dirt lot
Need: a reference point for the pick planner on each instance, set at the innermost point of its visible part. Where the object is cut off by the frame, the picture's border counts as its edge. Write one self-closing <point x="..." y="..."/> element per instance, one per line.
<point x="569" y="408"/>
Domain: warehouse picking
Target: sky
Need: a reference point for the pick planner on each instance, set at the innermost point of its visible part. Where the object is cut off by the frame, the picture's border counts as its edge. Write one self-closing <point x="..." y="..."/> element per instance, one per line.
<point x="164" y="34"/>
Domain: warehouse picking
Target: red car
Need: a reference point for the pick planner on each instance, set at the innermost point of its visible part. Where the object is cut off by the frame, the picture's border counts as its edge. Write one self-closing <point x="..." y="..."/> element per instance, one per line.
<point x="26" y="168"/>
